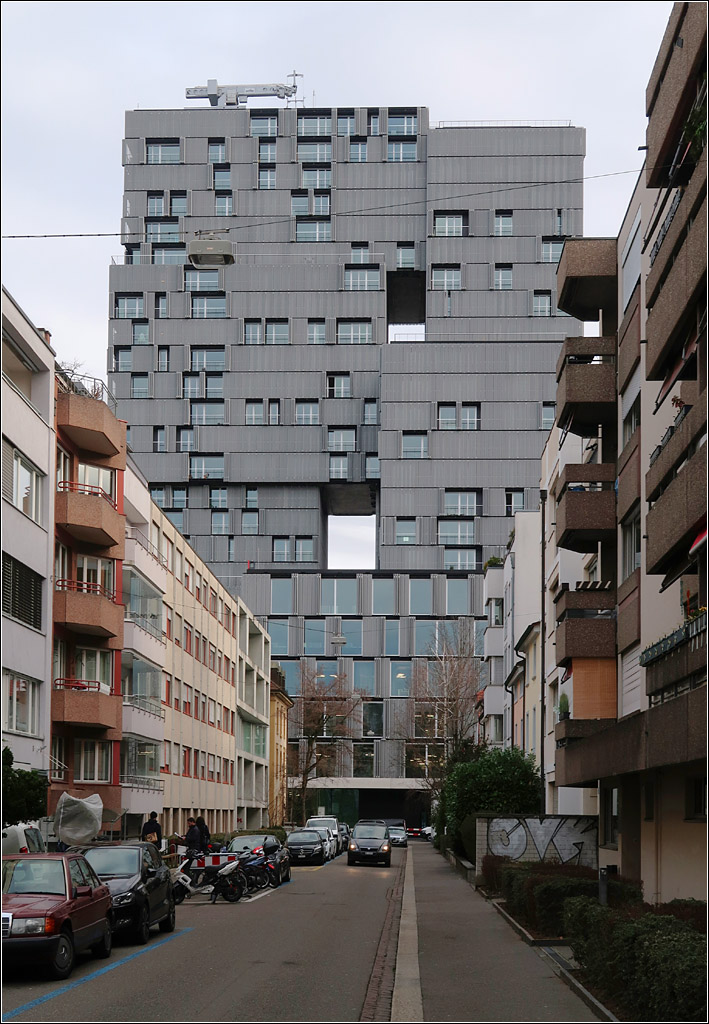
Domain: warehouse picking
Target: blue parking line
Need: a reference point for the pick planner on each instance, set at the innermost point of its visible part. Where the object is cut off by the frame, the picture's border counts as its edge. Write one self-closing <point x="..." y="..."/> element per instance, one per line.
<point x="90" y="977"/>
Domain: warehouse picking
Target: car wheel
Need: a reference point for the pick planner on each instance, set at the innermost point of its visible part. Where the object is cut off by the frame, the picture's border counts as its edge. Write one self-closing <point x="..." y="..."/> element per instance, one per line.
<point x="142" y="932"/>
<point x="168" y="923"/>
<point x="179" y="892"/>
<point x="288" y="875"/>
<point x="103" y="948"/>
<point x="64" y="957"/>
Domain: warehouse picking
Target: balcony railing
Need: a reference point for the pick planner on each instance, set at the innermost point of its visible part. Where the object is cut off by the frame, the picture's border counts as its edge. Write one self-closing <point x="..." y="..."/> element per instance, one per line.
<point x="77" y="488"/>
<point x="82" y="685"/>
<point x="139" y="538"/>
<point x="80" y="587"/>
<point x="142" y="782"/>
<point x="144" y="704"/>
<point x="90" y="387"/>
<point x="150" y="626"/>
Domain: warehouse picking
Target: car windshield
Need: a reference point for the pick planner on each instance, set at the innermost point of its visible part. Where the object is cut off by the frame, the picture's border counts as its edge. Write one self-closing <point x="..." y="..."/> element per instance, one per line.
<point x="396" y="832"/>
<point x="34" y="876"/>
<point x="370" y="832"/>
<point x="246" y="843"/>
<point x="321" y="822"/>
<point x="323" y="832"/>
<point x="300" y="838"/>
<point x="114" y="861"/>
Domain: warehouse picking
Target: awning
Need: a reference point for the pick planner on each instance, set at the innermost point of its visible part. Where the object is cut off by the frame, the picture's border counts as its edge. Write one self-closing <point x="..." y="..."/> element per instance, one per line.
<point x="685" y="566"/>
<point x="671" y="378"/>
<point x="700" y="539"/>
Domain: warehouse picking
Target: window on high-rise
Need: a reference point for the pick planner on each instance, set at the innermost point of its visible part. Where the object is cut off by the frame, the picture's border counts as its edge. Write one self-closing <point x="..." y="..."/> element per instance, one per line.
<point x="420" y="596"/>
<point x="446" y="416"/>
<point x="223" y="204"/>
<point x="401" y="152"/>
<point x="354" y="332"/>
<point x="216" y="151"/>
<point x="178" y="204"/>
<point x="502" y="280"/>
<point x="207" y="467"/>
<point x="321" y="204"/>
<point x="266" y="152"/>
<point x="281" y="549"/>
<point x="551" y="250"/>
<point x="307" y="413"/>
<point x="370" y="412"/>
<point x="163" y="359"/>
<point x="449" y="225"/>
<point x="274" y="412"/>
<point x="312" y="230"/>
<point x="207" y="413"/>
<point x="160" y="306"/>
<point x="162" y="230"/>
<point x="358" y="152"/>
<point x="267" y="177"/>
<point x="163" y="151"/>
<point x="208" y="307"/>
<point x="169" y="255"/>
<point x="446" y="279"/>
<point x="159" y="439"/>
<point x="21" y="592"/>
<point x="402" y="124"/>
<point x="253" y="332"/>
<point x="249" y="523"/>
<point x="463" y="503"/>
<point x="185" y="439"/>
<point x="401" y="678"/>
<point x="314" y="124"/>
<point x="456" y="531"/>
<point x="218" y="497"/>
<point x="122" y="360"/>
<point x="264" y="126"/>
<point x="341" y="439"/>
<point x="156" y="204"/>
<point x="345" y="124"/>
<point x="201" y="280"/>
<point x="405" y="531"/>
<point x="338" y="467"/>
<point x="405" y="256"/>
<point x="541" y="304"/>
<point x="631" y="539"/>
<point x="251" y="497"/>
<point x="470" y="416"/>
<point x="207" y="358"/>
<point x="277" y="332"/>
<point x="414" y="445"/>
<point x="372" y="469"/>
<point x="314" y="152"/>
<point x="462" y="558"/>
<point x="25" y="481"/>
<point x="514" y="501"/>
<point x="362" y="279"/>
<point x="316" y="332"/>
<point x="129" y="307"/>
<point x="299" y="204"/>
<point x="338" y="385"/>
<point x="220" y="523"/>
<point x="254" y="413"/>
<point x="548" y="415"/>
<point x="304" y="549"/>
<point x="140" y="385"/>
<point x="373" y="122"/>
<point x="317" y="177"/>
<point x="503" y="223"/>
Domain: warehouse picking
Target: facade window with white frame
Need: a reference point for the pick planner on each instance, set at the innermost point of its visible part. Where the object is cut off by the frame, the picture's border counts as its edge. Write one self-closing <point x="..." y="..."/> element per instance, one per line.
<point x="446" y="279"/>
<point x="447" y="416"/>
<point x="254" y="413"/>
<point x="307" y="413"/>
<point x="313" y="230"/>
<point x="362" y="279"/>
<point x="20" y="702"/>
<point x="470" y="416"/>
<point x="354" y="332"/>
<point x="503" y="223"/>
<point x="22" y="484"/>
<point x="502" y="279"/>
<point x="551" y="250"/>
<point x="338" y="385"/>
<point x="631" y="531"/>
<point x="281" y="549"/>
<point x="414" y="445"/>
<point x="405" y="531"/>
<point x="463" y="503"/>
<point x="450" y="225"/>
<point x="541" y="304"/>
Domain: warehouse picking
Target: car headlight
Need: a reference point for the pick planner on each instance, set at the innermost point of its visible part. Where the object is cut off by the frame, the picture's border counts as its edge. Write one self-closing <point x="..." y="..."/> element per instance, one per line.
<point x="385" y="848"/>
<point x="30" y="925"/>
<point x="122" y="899"/>
<point x="353" y="846"/>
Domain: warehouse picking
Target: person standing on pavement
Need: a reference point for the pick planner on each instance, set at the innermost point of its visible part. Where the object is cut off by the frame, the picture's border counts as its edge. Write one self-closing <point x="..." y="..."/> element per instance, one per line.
<point x="193" y="837"/>
<point x="152" y="831"/>
<point x="204" y="833"/>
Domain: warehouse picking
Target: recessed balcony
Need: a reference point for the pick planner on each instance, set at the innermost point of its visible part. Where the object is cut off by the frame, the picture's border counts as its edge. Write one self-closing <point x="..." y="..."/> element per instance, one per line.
<point x="87" y="608"/>
<point x="585" y="513"/>
<point x="586" y="385"/>
<point x="677" y="516"/>
<point x="90" y="515"/>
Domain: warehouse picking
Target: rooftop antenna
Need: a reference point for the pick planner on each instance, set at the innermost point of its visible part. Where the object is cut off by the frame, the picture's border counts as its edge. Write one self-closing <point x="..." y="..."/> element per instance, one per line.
<point x="294" y="75"/>
<point x="236" y="95"/>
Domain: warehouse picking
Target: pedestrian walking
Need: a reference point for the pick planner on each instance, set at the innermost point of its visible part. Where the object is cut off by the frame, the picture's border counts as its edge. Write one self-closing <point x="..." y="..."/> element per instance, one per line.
<point x="204" y="833"/>
<point x="152" y="830"/>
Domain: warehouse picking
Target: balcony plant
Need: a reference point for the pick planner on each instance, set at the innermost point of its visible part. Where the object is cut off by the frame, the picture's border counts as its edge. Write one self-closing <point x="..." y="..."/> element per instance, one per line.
<point x="563" y="707"/>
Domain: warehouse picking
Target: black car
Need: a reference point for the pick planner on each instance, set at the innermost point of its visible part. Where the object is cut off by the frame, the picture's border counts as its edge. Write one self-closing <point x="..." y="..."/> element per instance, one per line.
<point x="140" y="884"/>
<point x="306" y="846"/>
<point x="260" y="843"/>
<point x="369" y="842"/>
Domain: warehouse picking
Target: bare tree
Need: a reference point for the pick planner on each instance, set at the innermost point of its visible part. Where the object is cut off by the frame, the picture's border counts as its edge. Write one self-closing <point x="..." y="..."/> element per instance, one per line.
<point x="445" y="714"/>
<point x="322" y="716"/>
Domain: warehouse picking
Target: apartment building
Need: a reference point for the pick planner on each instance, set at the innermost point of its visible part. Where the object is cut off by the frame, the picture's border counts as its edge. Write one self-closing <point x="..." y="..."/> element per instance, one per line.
<point x="267" y="395"/>
<point x="28" y="460"/>
<point x="281" y="703"/>
<point x="634" y="648"/>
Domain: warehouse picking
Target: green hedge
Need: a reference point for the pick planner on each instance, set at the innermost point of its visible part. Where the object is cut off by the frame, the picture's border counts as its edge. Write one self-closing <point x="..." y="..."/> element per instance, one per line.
<point x="653" y="963"/>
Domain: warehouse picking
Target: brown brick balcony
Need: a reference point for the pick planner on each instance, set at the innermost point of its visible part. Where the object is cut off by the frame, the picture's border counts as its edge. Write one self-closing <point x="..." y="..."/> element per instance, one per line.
<point x="586" y="385"/>
<point x="90" y="515"/>
<point x="586" y="625"/>
<point x="678" y="514"/>
<point x="585" y="513"/>
<point x="677" y="660"/>
<point x="672" y="88"/>
<point x="82" y="702"/>
<point x="586" y="277"/>
<point x="88" y="421"/>
<point x="87" y="608"/>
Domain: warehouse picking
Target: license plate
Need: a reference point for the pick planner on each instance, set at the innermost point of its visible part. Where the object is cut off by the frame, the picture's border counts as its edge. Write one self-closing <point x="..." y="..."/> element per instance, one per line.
<point x="301" y="854"/>
<point x="369" y="853"/>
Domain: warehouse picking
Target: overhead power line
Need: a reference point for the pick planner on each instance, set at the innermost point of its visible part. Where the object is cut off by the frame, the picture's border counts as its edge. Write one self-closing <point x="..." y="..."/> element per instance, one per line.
<point x="347" y="213"/>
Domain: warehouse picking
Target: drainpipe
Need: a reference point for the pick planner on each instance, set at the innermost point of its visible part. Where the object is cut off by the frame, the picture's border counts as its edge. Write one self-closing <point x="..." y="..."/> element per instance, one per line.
<point x="542" y="660"/>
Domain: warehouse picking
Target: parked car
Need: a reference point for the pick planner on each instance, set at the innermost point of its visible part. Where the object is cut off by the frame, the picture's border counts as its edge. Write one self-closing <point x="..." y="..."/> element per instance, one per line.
<point x="398" y="836"/>
<point x="306" y="846"/>
<point x="278" y="853"/>
<point x="327" y="821"/>
<point x="369" y="843"/>
<point x="22" y="838"/>
<point x="344" y="835"/>
<point x="53" y="907"/>
<point x="428" y="832"/>
<point x="329" y="841"/>
<point x="140" y="884"/>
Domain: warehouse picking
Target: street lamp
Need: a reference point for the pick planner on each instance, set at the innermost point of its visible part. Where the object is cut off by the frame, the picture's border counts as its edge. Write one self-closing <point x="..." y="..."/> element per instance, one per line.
<point x="206" y="250"/>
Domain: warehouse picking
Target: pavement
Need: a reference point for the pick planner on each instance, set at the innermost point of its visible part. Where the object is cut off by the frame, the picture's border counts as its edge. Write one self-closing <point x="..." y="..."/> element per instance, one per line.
<point x="459" y="960"/>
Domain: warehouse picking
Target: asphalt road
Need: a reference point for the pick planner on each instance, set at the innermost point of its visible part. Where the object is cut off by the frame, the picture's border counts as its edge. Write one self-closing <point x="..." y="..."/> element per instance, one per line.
<point x="303" y="952"/>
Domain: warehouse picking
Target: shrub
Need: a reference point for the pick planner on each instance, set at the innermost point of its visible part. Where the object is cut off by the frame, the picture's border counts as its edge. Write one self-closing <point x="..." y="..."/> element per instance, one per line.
<point x="490" y="868"/>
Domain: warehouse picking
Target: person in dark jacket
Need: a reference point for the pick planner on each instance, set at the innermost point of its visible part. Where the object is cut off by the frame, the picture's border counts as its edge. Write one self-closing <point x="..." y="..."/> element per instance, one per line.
<point x="193" y="837"/>
<point x="204" y="833"/>
<point x="152" y="831"/>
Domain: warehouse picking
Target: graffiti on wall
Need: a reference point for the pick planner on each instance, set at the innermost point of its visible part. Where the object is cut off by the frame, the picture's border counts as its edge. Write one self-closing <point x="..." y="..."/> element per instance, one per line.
<point x="568" y="839"/>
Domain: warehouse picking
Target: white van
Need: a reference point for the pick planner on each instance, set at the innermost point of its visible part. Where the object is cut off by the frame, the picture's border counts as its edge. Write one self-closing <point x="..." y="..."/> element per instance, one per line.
<point x="22" y="838"/>
<point x="327" y="821"/>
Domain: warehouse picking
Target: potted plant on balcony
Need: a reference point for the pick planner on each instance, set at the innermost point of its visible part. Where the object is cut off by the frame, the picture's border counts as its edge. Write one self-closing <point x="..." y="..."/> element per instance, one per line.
<point x="564" y="712"/>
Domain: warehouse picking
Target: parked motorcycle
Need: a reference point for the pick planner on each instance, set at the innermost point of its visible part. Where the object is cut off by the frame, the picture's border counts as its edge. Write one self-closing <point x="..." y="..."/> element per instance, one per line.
<point x="228" y="883"/>
<point x="190" y="880"/>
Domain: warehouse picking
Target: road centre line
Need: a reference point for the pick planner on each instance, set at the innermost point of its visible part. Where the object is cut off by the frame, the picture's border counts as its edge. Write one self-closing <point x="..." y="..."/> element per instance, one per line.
<point x="90" y="977"/>
<point x="407" y="1003"/>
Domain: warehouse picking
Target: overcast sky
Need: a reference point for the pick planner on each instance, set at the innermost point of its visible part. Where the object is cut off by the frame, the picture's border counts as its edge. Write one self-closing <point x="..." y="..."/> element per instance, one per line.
<point x="70" y="70"/>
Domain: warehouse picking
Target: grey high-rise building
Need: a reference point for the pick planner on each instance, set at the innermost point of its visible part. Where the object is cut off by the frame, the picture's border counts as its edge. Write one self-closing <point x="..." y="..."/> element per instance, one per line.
<point x="384" y="345"/>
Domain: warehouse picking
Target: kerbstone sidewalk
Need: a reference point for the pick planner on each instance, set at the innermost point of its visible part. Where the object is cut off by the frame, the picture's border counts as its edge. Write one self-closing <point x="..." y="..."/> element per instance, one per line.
<point x="472" y="965"/>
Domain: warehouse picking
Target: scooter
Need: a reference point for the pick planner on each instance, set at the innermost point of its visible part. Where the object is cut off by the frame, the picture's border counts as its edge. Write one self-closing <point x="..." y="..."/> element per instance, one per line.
<point x="228" y="883"/>
<point x="188" y="881"/>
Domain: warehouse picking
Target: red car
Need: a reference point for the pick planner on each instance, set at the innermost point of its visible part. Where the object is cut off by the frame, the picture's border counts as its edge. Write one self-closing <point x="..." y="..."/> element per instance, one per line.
<point x="53" y="907"/>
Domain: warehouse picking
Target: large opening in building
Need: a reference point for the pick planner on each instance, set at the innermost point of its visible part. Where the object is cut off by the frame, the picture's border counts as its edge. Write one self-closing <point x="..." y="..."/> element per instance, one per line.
<point x="351" y="542"/>
<point x="398" y="333"/>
